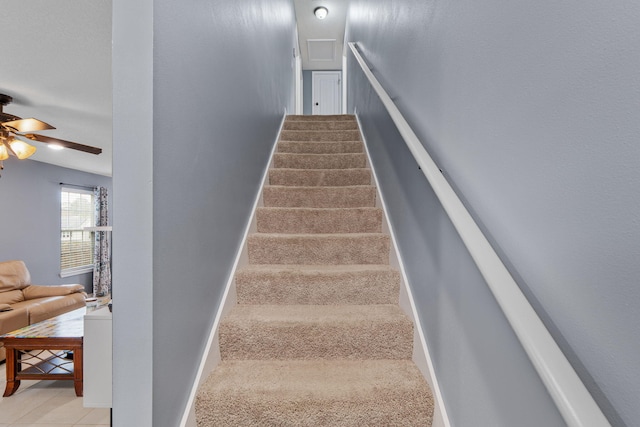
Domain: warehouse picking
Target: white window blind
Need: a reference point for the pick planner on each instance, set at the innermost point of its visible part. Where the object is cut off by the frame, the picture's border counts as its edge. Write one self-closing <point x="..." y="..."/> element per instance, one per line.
<point x="77" y="211"/>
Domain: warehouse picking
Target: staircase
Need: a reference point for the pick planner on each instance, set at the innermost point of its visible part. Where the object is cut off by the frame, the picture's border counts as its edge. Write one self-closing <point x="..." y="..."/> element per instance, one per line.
<point x="317" y="337"/>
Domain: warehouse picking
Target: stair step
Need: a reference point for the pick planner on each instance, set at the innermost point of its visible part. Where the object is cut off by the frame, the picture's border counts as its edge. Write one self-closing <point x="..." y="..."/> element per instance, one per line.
<point x="320" y="118"/>
<point x="320" y="135"/>
<point x="319" y="220"/>
<point x="260" y="332"/>
<point x="310" y="393"/>
<point x="319" y="197"/>
<point x="317" y="285"/>
<point x="320" y="177"/>
<point x="320" y="125"/>
<point x="323" y="147"/>
<point x="319" y="161"/>
<point x="316" y="249"/>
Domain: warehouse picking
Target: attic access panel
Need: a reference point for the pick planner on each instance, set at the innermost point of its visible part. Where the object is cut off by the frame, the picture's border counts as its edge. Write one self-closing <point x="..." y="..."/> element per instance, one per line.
<point x="321" y="49"/>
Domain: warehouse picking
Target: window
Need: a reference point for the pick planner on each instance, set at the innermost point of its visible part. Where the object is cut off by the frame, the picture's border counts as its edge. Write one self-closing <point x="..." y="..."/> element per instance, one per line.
<point x="77" y="211"/>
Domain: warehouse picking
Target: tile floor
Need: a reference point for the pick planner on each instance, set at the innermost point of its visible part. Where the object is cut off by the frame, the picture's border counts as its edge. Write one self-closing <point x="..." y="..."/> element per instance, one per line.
<point x="47" y="404"/>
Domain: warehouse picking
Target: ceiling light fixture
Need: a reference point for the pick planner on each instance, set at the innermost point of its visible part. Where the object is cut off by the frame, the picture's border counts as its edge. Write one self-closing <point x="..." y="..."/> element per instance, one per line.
<point x="12" y="128"/>
<point x="9" y="144"/>
<point x="4" y="153"/>
<point x="321" y="12"/>
<point x="21" y="149"/>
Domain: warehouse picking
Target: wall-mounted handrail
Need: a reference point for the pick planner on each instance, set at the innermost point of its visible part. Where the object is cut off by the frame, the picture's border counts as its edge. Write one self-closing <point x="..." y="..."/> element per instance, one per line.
<point x="572" y="398"/>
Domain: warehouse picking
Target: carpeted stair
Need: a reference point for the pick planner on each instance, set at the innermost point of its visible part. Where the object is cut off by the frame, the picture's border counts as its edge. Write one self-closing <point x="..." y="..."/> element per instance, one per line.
<point x="317" y="337"/>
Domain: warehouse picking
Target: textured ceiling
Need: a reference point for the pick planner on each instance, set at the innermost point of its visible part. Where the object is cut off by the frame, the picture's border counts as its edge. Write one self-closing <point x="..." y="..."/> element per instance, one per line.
<point x="57" y="67"/>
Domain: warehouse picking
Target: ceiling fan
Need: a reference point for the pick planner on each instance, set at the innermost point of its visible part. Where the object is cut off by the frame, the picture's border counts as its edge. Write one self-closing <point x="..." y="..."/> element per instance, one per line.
<point x="15" y="130"/>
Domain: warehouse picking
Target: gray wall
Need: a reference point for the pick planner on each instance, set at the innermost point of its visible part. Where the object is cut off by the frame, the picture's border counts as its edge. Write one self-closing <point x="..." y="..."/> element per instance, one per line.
<point x="30" y="217"/>
<point x="531" y="110"/>
<point x="132" y="275"/>
<point x="222" y="78"/>
<point x="307" y="92"/>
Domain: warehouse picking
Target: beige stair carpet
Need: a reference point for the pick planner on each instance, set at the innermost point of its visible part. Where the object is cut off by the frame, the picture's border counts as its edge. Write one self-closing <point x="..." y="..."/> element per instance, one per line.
<point x="317" y="337"/>
<point x="319" y="197"/>
<point x="315" y="147"/>
<point x="328" y="220"/>
<point x="320" y="177"/>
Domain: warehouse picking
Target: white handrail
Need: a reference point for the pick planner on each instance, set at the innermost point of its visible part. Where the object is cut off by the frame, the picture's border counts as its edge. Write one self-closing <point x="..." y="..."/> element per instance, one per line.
<point x="573" y="400"/>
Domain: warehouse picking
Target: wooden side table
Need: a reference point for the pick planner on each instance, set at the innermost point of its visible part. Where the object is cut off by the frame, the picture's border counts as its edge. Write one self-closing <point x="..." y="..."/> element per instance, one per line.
<point x="37" y="352"/>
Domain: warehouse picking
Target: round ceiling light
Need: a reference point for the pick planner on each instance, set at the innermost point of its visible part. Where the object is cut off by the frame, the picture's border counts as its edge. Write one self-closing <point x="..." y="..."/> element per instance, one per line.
<point x="321" y="12"/>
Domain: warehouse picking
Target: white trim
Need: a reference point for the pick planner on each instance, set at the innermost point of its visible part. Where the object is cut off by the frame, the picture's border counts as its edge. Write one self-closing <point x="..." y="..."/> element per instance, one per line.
<point x="299" y="85"/>
<point x="75" y="271"/>
<point x="344" y="83"/>
<point x="211" y="354"/>
<point x="298" y="77"/>
<point x="575" y="403"/>
<point x="421" y="355"/>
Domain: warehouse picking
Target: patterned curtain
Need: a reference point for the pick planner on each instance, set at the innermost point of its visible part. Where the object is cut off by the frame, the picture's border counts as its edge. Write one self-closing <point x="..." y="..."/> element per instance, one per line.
<point x="102" y="252"/>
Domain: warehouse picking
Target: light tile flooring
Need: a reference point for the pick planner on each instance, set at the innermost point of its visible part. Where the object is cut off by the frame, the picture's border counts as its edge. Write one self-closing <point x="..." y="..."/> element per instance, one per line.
<point x="47" y="404"/>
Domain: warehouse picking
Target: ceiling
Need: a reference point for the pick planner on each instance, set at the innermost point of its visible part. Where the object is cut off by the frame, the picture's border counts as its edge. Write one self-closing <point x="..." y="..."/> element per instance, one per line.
<point x="57" y="67"/>
<point x="317" y="33"/>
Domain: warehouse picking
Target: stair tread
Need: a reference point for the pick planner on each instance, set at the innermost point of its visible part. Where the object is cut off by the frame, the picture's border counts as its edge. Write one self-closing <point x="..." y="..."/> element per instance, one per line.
<point x="325" y="170"/>
<point x="321" y="269"/>
<point x="309" y="313"/>
<point x="320" y="142"/>
<point x="302" y="209"/>
<point x="318" y="220"/>
<point x="320" y="147"/>
<point x="317" y="285"/>
<point x="321" y="155"/>
<point x="321" y="125"/>
<point x="321" y="249"/>
<point x="320" y="135"/>
<point x="315" y="393"/>
<point x="288" y="177"/>
<point x="319" y="161"/>
<point x="319" y="196"/>
<point x="331" y="236"/>
<point x="300" y="331"/>
<point x="351" y="132"/>
<point x="320" y="118"/>
<point x="319" y="188"/>
<point x="327" y="378"/>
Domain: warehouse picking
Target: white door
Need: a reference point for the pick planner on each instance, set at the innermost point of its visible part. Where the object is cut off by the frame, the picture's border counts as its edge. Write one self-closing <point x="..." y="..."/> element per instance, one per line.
<point x="326" y="92"/>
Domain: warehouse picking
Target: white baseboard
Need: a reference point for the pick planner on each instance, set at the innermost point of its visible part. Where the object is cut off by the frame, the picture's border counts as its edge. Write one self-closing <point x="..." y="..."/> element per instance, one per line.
<point x="421" y="356"/>
<point x="211" y="354"/>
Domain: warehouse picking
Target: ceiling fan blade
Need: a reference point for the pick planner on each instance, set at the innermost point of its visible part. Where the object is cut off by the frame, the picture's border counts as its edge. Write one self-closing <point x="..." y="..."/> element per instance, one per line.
<point x="63" y="143"/>
<point x="27" y="125"/>
<point x="5" y="117"/>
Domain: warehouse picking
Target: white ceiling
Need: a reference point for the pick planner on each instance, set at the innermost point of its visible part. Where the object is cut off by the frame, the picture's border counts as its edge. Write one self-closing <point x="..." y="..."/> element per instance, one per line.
<point x="56" y="64"/>
<point x="330" y="28"/>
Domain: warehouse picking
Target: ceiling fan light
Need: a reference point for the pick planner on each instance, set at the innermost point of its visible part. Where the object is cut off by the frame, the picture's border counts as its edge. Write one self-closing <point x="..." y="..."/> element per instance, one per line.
<point x="4" y="153"/>
<point x="321" y="12"/>
<point x="21" y="149"/>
